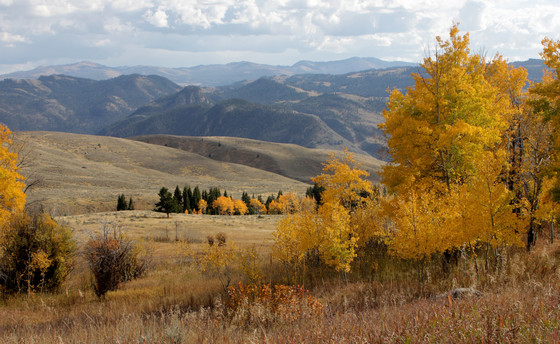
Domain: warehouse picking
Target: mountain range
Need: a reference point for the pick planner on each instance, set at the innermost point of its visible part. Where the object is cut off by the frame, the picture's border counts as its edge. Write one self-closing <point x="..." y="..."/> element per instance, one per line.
<point x="70" y="104"/>
<point x="311" y="110"/>
<point x="209" y="75"/>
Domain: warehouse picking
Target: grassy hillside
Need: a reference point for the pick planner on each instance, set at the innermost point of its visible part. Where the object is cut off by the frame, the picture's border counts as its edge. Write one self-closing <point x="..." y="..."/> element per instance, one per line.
<point x="81" y="173"/>
<point x="288" y="160"/>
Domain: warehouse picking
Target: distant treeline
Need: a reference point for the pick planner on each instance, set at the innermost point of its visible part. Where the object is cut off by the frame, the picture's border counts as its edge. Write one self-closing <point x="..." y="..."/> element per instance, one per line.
<point x="215" y="202"/>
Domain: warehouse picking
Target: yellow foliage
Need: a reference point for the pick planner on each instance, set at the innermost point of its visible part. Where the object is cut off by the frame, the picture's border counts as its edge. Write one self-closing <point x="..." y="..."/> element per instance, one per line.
<point x="329" y="229"/>
<point x="451" y="116"/>
<point x="12" y="197"/>
<point x="421" y="224"/>
<point x="343" y="183"/>
<point x="224" y="205"/>
<point x="202" y="206"/>
<point x="489" y="210"/>
<point x="258" y="206"/>
<point x="240" y="207"/>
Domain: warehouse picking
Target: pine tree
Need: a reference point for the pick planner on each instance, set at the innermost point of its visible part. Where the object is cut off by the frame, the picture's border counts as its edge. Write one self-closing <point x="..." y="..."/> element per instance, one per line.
<point x="166" y="202"/>
<point x="178" y="198"/>
<point x="121" y="202"/>
<point x="130" y="204"/>
<point x="187" y="195"/>
<point x="195" y="199"/>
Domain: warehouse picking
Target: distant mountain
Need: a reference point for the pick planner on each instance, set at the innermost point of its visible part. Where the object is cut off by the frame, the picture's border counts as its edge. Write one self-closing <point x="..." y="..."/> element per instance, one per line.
<point x="234" y="118"/>
<point x="70" y="104"/>
<point x="271" y="110"/>
<point x="534" y="68"/>
<point x="208" y="75"/>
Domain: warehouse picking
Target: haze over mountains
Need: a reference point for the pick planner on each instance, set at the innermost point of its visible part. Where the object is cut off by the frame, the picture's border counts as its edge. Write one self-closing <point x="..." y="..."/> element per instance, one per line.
<point x="209" y="75"/>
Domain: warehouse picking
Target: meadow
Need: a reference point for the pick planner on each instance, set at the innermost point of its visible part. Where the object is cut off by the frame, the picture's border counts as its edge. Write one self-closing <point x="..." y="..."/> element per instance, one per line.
<point x="176" y="302"/>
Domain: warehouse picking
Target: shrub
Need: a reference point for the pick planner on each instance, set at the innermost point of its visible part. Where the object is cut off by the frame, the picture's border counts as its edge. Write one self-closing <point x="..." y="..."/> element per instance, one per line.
<point x="36" y="253"/>
<point x="113" y="259"/>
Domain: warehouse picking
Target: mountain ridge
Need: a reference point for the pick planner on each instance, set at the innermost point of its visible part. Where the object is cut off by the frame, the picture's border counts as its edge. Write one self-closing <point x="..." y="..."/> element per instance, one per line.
<point x="209" y="75"/>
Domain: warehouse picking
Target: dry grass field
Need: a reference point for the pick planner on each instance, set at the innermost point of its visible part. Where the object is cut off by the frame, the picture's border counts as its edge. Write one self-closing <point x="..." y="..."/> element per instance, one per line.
<point x="288" y="160"/>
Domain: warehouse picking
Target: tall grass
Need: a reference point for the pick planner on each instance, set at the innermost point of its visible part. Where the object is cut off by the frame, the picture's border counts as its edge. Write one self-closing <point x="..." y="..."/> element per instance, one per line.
<point x="175" y="303"/>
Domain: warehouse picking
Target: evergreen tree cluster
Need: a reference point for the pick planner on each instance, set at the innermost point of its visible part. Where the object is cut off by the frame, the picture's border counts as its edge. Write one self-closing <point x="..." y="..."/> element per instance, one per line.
<point x="188" y="200"/>
<point x="122" y="204"/>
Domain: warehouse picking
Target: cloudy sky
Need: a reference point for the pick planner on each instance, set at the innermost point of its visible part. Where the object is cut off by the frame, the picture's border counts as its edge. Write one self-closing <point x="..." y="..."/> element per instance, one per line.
<point x="183" y="33"/>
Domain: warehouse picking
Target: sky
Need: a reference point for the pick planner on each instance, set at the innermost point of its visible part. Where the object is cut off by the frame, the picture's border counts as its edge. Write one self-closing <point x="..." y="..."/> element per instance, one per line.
<point x="185" y="33"/>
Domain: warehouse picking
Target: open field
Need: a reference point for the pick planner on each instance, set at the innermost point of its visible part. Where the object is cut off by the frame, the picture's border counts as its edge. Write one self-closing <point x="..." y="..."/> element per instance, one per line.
<point x="152" y="226"/>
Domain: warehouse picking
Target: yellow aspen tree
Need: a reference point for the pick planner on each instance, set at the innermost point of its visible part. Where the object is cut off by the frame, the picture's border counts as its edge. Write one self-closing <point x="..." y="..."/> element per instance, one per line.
<point x="542" y="159"/>
<point x="12" y="197"/>
<point x="445" y="121"/>
<point x="343" y="181"/>
<point x="202" y="206"/>
<point x="338" y="237"/>
<point x="295" y="235"/>
<point x="257" y="206"/>
<point x="491" y="220"/>
<point x="420" y="223"/>
<point x="224" y="205"/>
<point x="329" y="229"/>
<point x="239" y="207"/>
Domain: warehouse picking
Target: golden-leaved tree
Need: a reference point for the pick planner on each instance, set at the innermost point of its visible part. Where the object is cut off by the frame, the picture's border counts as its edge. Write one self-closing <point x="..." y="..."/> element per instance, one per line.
<point x="457" y="111"/>
<point x="542" y="144"/>
<point x="12" y="197"/>
<point x="328" y="229"/>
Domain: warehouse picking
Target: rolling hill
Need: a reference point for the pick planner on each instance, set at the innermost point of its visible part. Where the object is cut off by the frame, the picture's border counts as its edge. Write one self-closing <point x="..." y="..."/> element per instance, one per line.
<point x="288" y="160"/>
<point x="235" y="118"/>
<point x="75" y="173"/>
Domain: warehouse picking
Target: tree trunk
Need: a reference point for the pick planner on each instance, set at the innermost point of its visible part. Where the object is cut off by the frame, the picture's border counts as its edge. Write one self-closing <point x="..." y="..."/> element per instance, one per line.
<point x="531" y="234"/>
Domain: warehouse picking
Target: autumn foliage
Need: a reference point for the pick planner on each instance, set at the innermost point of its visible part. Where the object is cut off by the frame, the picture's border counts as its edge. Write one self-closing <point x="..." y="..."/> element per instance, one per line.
<point x="12" y="198"/>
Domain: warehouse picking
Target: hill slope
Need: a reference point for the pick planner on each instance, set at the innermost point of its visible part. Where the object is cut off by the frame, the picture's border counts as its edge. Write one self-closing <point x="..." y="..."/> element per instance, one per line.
<point x="235" y="118"/>
<point x="288" y="160"/>
<point x="69" y="104"/>
<point x="82" y="173"/>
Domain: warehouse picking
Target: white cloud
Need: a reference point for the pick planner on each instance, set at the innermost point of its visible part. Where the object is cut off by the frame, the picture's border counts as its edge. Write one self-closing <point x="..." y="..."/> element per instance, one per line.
<point x="7" y="37"/>
<point x="157" y="18"/>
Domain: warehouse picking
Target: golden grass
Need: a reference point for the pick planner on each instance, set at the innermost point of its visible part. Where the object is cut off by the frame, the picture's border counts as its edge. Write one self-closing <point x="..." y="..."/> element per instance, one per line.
<point x="176" y="303"/>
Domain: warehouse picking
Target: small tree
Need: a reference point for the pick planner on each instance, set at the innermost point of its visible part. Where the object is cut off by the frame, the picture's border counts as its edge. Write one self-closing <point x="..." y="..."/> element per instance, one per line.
<point x="113" y="259"/>
<point x="121" y="203"/>
<point x="223" y="205"/>
<point x="240" y="207"/>
<point x="178" y="198"/>
<point x="166" y="202"/>
<point x="130" y="204"/>
<point x="187" y="195"/>
<point x="36" y="254"/>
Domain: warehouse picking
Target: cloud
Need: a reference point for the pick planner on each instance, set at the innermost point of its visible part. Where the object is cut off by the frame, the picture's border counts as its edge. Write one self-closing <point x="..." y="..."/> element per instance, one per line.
<point x="157" y="18"/>
<point x="7" y="37"/>
<point x="199" y="31"/>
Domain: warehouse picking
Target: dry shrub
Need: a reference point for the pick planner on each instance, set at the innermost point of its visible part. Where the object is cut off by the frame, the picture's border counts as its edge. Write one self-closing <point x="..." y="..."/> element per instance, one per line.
<point x="252" y="304"/>
<point x="113" y="259"/>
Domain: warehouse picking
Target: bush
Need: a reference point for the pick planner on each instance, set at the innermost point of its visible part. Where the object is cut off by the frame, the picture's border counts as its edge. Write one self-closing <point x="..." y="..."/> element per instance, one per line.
<point x="113" y="259"/>
<point x="36" y="253"/>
